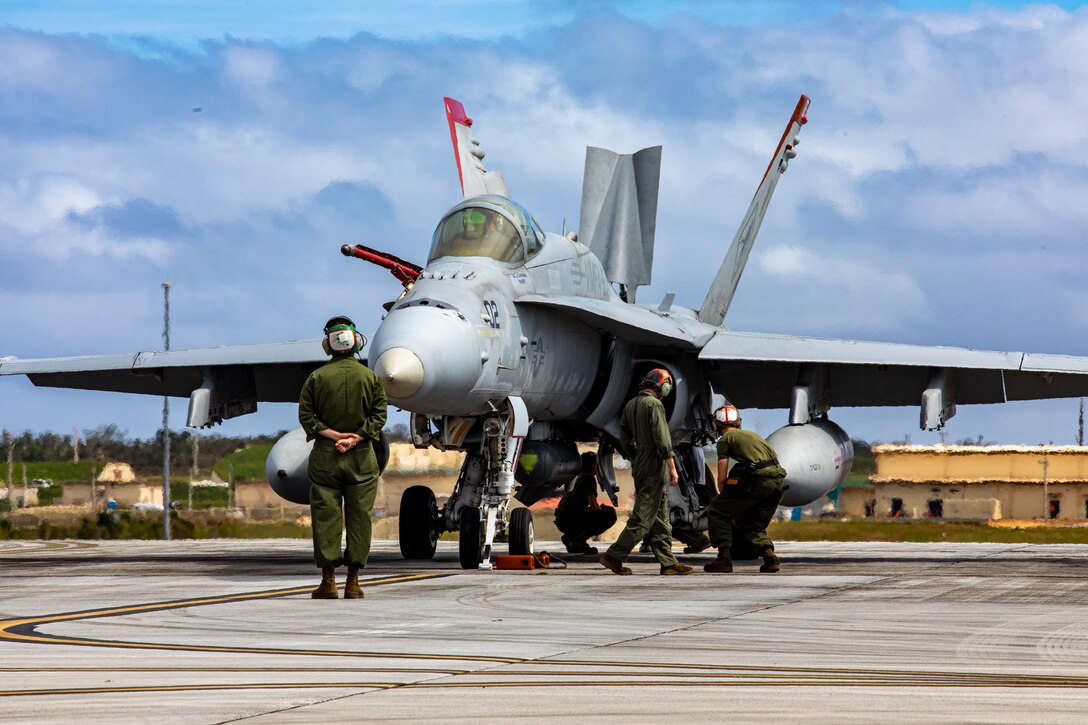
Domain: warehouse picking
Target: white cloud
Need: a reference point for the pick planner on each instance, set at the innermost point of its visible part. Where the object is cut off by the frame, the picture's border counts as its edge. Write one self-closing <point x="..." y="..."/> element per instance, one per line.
<point x="36" y="219"/>
<point x="252" y="70"/>
<point x="876" y="298"/>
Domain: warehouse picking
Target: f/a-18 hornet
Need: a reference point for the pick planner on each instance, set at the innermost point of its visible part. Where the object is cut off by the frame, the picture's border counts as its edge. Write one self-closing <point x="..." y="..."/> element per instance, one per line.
<point x="513" y="345"/>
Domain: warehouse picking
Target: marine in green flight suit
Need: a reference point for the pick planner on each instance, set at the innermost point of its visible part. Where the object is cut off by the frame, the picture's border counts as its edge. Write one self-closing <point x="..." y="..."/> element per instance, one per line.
<point x="579" y="516"/>
<point x="644" y="435"/>
<point x="748" y="502"/>
<point x="342" y="408"/>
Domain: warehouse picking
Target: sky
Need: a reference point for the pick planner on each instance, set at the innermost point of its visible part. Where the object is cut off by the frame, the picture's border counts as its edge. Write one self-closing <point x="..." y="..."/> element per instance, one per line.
<point x="231" y="148"/>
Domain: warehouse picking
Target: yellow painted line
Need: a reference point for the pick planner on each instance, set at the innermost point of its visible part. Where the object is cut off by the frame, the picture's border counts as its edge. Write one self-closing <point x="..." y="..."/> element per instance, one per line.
<point x="809" y="675"/>
<point x="758" y="683"/>
<point x="551" y="684"/>
<point x="38" y="547"/>
<point x="259" y="650"/>
<point x="198" y="688"/>
<point x="755" y="674"/>
<point x="804" y="670"/>
<point x="291" y="670"/>
<point x="177" y="604"/>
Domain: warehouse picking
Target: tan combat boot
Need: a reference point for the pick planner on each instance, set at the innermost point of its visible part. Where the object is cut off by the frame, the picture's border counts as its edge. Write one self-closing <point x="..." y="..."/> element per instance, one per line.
<point x="675" y="569"/>
<point x="615" y="565"/>
<point x="327" y="588"/>
<point x="352" y="590"/>
<point x="770" y="560"/>
<point x="723" y="564"/>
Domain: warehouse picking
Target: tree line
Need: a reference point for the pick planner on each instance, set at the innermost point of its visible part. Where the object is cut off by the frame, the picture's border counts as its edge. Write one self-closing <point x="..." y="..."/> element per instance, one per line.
<point x="110" y="443"/>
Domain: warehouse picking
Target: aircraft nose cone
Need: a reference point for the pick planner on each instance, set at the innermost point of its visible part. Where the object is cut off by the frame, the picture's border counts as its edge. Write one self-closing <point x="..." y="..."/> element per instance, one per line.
<point x="401" y="372"/>
<point x="429" y="360"/>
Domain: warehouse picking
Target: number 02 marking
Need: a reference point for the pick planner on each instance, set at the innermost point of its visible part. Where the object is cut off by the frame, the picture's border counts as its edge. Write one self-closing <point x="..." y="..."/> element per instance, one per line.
<point x="492" y="311"/>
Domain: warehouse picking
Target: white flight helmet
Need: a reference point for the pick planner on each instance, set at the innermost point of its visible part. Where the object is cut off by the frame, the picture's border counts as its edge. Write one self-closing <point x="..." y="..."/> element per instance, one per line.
<point x="727" y="415"/>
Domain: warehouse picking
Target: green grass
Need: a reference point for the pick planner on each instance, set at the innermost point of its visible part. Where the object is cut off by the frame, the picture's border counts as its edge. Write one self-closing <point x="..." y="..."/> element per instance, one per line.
<point x="58" y="471"/>
<point x="248" y="463"/>
<point x="204" y="497"/>
<point x="923" y="531"/>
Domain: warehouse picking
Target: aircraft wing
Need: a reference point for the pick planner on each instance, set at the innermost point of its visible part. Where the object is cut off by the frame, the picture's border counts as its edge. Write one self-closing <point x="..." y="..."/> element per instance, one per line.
<point x="639" y="325"/>
<point x="220" y="382"/>
<point x="475" y="179"/>
<point x="762" y="371"/>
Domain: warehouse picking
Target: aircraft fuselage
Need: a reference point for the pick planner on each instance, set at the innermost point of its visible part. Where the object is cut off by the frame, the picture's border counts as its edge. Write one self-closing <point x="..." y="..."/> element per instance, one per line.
<point x="472" y="344"/>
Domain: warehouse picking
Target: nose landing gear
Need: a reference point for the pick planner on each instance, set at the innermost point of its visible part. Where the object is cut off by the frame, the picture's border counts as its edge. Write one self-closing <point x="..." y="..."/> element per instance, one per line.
<point x="503" y="436"/>
<point x="479" y="507"/>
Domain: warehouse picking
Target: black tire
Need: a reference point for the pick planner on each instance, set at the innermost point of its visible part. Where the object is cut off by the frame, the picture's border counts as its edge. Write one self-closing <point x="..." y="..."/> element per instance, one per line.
<point x="521" y="531"/>
<point x="471" y="544"/>
<point x="418" y="515"/>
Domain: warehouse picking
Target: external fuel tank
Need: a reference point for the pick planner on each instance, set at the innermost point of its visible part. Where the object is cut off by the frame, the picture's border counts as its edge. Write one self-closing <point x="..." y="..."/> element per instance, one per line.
<point x="817" y="457"/>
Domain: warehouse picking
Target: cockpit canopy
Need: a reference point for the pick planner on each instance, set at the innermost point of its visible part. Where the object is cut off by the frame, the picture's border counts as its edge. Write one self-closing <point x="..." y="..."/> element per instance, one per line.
<point x="488" y="226"/>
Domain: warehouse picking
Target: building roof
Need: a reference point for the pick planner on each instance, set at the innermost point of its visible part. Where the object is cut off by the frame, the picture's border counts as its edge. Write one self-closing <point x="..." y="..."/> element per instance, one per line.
<point x="956" y="450"/>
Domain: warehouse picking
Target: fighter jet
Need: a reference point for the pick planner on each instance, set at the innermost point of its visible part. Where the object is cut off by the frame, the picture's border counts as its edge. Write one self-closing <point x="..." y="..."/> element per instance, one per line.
<point x="514" y="345"/>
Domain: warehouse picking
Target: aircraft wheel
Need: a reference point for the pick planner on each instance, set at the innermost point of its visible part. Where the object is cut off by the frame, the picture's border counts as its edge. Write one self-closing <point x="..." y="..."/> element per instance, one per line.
<point x="471" y="544"/>
<point x="418" y="515"/>
<point x="521" y="531"/>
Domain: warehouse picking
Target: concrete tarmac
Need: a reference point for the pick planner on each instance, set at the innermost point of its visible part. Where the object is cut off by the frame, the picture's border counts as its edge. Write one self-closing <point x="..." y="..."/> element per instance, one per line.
<point x="225" y="631"/>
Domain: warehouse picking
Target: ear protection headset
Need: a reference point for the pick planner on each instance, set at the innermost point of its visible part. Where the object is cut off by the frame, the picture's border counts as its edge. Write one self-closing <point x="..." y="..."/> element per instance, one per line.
<point x="659" y="378"/>
<point x="341" y="337"/>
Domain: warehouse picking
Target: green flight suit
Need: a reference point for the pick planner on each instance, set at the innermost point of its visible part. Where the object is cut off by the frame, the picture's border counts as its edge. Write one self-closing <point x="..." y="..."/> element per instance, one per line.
<point x="644" y="434"/>
<point x="575" y="518"/>
<point x="750" y="510"/>
<point x="345" y="396"/>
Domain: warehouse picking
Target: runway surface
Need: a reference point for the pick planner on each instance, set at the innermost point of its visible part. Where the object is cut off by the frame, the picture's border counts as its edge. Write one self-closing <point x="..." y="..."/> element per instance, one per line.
<point x="225" y="631"/>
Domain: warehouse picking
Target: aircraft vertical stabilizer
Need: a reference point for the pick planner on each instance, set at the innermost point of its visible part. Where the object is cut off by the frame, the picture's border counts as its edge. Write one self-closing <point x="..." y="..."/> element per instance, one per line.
<point x="475" y="179"/>
<point x="725" y="283"/>
<point x="619" y="212"/>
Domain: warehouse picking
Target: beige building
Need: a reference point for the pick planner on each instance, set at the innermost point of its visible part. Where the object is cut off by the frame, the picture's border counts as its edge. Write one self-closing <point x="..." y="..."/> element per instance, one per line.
<point x="973" y="482"/>
<point x="116" y="473"/>
<point x="78" y="493"/>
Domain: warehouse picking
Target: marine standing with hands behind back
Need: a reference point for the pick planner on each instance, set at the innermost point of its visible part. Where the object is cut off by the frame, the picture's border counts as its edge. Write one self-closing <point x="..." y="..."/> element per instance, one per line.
<point x="342" y="408"/>
<point x="749" y="493"/>
<point x="644" y="435"/>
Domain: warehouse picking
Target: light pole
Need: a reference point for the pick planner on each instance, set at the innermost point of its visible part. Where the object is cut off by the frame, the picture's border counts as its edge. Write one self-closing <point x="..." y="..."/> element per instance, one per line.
<point x="1046" y="492"/>
<point x="193" y="470"/>
<point x="9" y="441"/>
<point x="166" y="419"/>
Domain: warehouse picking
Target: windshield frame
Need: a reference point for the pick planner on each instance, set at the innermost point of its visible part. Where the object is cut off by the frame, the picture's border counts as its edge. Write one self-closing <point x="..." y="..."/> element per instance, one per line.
<point x="525" y="227"/>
